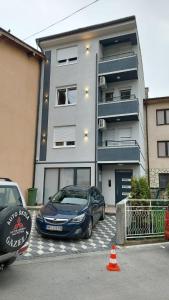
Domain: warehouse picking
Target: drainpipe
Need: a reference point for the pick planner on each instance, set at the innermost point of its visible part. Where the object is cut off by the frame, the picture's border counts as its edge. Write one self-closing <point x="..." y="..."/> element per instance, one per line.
<point x="96" y="129"/>
<point x="37" y="122"/>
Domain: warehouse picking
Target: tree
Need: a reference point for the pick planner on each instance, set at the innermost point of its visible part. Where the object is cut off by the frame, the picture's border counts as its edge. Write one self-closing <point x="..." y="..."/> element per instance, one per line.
<point x="140" y="188"/>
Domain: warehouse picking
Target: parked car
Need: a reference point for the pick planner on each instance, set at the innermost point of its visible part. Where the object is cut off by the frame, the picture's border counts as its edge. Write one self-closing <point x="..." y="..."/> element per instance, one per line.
<point x="71" y="213"/>
<point x="15" y="222"/>
<point x="166" y="224"/>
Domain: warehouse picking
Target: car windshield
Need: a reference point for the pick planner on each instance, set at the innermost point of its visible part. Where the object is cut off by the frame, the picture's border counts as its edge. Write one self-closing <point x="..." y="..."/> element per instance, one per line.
<point x="70" y="197"/>
<point x="9" y="196"/>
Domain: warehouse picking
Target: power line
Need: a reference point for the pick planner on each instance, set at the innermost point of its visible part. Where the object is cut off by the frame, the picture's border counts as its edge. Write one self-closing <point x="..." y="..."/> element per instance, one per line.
<point x="61" y="20"/>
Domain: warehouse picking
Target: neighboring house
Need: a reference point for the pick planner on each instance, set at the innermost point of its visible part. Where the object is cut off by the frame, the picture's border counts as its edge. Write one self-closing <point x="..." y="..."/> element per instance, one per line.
<point x="91" y="110"/>
<point x="19" y="81"/>
<point x="157" y="124"/>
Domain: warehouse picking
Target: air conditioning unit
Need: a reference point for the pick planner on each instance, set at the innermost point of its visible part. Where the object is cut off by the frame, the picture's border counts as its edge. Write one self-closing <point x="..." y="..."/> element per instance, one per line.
<point x="102" y="124"/>
<point x="102" y="82"/>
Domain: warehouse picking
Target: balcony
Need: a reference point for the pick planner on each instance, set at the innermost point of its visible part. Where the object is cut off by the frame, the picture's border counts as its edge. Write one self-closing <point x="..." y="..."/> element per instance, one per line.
<point x="118" y="109"/>
<point x="126" y="151"/>
<point x="119" y="67"/>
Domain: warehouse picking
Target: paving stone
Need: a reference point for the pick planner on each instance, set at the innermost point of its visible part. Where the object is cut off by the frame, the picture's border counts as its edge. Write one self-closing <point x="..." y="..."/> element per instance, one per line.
<point x="102" y="238"/>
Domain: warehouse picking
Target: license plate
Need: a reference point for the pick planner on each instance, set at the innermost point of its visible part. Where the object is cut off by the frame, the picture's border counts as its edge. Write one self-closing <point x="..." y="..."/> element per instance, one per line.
<point x="54" y="228"/>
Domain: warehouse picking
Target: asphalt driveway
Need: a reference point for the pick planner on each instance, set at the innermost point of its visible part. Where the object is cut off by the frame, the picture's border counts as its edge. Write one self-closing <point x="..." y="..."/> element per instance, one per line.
<point x="143" y="276"/>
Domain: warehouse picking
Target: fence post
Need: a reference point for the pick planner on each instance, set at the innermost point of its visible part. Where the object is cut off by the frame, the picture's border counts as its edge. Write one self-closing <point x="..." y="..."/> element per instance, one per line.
<point x="121" y="222"/>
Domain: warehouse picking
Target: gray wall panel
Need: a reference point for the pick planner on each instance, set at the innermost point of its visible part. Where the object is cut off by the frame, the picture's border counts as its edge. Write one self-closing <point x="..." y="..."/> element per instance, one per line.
<point x="118" y="108"/>
<point x="119" y="154"/>
<point x="118" y="65"/>
<point x="45" y="107"/>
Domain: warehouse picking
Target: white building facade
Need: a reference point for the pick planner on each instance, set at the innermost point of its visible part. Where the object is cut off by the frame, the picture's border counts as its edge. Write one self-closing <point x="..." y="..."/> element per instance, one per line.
<point x="90" y="129"/>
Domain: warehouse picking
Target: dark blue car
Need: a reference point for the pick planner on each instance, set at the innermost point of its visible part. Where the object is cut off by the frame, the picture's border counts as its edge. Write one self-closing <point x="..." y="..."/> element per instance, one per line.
<point x="71" y="213"/>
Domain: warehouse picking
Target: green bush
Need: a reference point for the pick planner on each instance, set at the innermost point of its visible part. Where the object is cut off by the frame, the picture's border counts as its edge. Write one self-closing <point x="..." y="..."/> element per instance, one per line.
<point x="167" y="191"/>
<point x="140" y="188"/>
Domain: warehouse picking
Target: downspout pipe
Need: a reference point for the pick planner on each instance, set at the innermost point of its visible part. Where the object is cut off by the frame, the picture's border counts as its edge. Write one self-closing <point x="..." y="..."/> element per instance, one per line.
<point x="96" y="129"/>
<point x="37" y="120"/>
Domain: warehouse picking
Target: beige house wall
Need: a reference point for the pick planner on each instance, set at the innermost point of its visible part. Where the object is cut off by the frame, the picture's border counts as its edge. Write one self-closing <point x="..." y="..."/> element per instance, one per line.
<point x="19" y="84"/>
<point x="156" y="133"/>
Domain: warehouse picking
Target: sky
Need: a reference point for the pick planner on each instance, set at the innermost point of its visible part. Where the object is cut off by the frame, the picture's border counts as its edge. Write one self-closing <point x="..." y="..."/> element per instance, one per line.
<point x="25" y="17"/>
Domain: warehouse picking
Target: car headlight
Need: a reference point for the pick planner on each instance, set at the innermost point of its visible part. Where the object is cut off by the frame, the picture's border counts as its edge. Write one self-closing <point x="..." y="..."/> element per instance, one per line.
<point x="39" y="215"/>
<point x="78" y="219"/>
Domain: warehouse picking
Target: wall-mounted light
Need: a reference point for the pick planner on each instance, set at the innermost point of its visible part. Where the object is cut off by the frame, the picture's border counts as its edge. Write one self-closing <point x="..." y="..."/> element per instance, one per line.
<point x="87" y="49"/>
<point x="46" y="61"/>
<point x="86" y="133"/>
<point x="44" y="137"/>
<point x="86" y="91"/>
<point x="46" y="98"/>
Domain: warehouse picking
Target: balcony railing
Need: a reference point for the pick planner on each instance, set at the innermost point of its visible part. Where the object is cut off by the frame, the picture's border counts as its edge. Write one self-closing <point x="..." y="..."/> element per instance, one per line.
<point x="117" y="56"/>
<point x="115" y="144"/>
<point x="119" y="67"/>
<point x="118" y="99"/>
<point x="125" y="151"/>
<point x="127" y="109"/>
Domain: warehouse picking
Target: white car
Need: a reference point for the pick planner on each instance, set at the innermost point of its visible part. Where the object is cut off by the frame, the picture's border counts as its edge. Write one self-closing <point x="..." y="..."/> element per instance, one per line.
<point x="15" y="222"/>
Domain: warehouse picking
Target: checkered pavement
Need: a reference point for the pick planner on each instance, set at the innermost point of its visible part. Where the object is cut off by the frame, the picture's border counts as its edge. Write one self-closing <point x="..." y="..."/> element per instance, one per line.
<point x="102" y="237"/>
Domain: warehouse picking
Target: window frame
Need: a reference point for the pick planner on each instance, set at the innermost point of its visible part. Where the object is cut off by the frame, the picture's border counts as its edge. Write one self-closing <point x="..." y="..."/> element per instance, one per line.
<point x="123" y="90"/>
<point x="165" y="116"/>
<point x="162" y="174"/>
<point x="166" y="149"/>
<point x="67" y="61"/>
<point x="65" y="143"/>
<point x="66" y="102"/>
<point x="109" y="92"/>
<point x="58" y="178"/>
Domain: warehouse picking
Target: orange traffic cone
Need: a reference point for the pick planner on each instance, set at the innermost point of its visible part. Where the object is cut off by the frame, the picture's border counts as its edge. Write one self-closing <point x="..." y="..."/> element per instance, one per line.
<point x="113" y="265"/>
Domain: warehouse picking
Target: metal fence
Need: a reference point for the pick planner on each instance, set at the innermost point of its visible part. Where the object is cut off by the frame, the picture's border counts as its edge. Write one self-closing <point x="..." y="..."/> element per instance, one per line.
<point x="145" y="219"/>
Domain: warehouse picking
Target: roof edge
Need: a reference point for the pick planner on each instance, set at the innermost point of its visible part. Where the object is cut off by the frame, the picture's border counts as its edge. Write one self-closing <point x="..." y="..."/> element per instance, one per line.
<point x="84" y="29"/>
<point x="21" y="43"/>
<point x="155" y="99"/>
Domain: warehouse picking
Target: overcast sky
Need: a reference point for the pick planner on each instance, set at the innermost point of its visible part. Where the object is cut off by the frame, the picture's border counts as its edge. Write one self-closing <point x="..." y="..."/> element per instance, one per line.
<point x="24" y="17"/>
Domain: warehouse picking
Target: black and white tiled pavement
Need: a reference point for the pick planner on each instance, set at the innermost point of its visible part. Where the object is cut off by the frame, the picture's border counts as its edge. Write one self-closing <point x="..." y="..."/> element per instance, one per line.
<point x="102" y="238"/>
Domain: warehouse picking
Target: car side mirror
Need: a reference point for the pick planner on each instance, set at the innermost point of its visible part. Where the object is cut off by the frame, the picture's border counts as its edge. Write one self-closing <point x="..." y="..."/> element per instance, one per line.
<point x="50" y="198"/>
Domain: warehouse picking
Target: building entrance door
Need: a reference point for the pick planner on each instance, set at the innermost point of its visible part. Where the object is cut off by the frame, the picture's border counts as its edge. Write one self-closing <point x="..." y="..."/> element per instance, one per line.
<point x="122" y="184"/>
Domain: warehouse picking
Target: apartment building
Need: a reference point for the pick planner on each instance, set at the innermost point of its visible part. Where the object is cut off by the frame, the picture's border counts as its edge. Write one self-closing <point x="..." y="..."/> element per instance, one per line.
<point x="20" y="66"/>
<point x="157" y="125"/>
<point x="91" y="110"/>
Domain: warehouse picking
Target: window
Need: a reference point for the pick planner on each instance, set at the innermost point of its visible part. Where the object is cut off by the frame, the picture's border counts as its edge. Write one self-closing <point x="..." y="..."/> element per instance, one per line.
<point x="67" y="96"/>
<point x="162" y="116"/>
<point x="64" y="136"/>
<point x="125" y="133"/>
<point x="125" y="94"/>
<point x="66" y="177"/>
<point x="163" y="149"/>
<point x="67" y="56"/>
<point x="9" y="195"/>
<point x="83" y="177"/>
<point x="163" y="180"/>
<point x="57" y="178"/>
<point x="108" y="96"/>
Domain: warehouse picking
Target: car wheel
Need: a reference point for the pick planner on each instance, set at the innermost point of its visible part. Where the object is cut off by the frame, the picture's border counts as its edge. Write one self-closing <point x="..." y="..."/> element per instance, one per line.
<point x="88" y="233"/>
<point x="15" y="224"/>
<point x="103" y="214"/>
